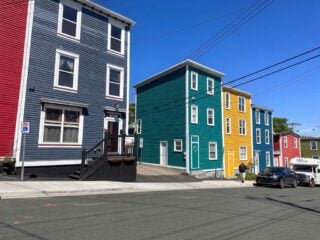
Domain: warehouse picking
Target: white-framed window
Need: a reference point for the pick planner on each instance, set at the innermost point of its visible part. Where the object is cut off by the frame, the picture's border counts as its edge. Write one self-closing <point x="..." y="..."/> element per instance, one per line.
<point x="139" y="126"/>
<point x="295" y="142"/>
<point x="285" y="142"/>
<point x="69" y="20"/>
<point x="258" y="136"/>
<point x="213" y="154"/>
<point x="266" y="118"/>
<point x="268" y="160"/>
<point x="228" y="125"/>
<point x="66" y="71"/>
<point x="115" y="82"/>
<point x="194" y="81"/>
<point x="315" y="157"/>
<point x="210" y="117"/>
<point x="177" y="145"/>
<point x="257" y="116"/>
<point x="227" y="100"/>
<point x="61" y="125"/>
<point x="210" y="86"/>
<point x="267" y="136"/>
<point x="116" y="37"/>
<point x="242" y="127"/>
<point x="194" y="114"/>
<point x="242" y="105"/>
<point x="243" y="153"/>
<point x="313" y="145"/>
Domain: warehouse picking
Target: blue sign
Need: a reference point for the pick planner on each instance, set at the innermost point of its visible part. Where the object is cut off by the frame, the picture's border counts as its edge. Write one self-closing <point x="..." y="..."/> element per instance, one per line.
<point x="25" y="127"/>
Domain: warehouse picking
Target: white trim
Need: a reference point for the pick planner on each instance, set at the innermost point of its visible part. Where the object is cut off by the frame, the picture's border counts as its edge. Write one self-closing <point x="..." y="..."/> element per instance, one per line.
<point x="166" y="162"/>
<point x="197" y="113"/>
<point x="198" y="143"/>
<point x="213" y="120"/>
<point x="120" y="128"/>
<point x="230" y="132"/>
<point x="23" y="84"/>
<point x="44" y="163"/>
<point x="223" y="135"/>
<point x="128" y="81"/>
<point x="121" y="70"/>
<point x="268" y="154"/>
<point x="243" y="159"/>
<point x="244" y="104"/>
<point x="257" y="116"/>
<point x="209" y="79"/>
<point x="295" y="142"/>
<point x="311" y="146"/>
<point x="56" y="85"/>
<point x="175" y="145"/>
<point x="187" y="119"/>
<point x="75" y="6"/>
<point x="139" y="126"/>
<point x="245" y="127"/>
<point x="267" y="133"/>
<point x="285" y="142"/>
<point x="258" y="130"/>
<point x="229" y="102"/>
<point x="216" y="150"/>
<point x="267" y="123"/>
<point x="122" y="44"/>
<point x="196" y="80"/>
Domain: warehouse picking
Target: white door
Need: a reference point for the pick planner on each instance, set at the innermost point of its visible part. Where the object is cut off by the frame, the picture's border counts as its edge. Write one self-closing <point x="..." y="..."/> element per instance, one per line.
<point x="164" y="153"/>
<point x="256" y="162"/>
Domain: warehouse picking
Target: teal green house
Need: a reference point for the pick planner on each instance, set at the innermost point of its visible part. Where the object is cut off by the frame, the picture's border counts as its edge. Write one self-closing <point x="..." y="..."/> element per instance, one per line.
<point x="179" y="118"/>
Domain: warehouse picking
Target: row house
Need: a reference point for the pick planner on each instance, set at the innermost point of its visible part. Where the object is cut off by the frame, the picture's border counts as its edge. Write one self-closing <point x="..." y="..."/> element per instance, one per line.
<point x="286" y="146"/>
<point x="67" y="75"/>
<point x="237" y="129"/>
<point x="310" y="147"/>
<point x="179" y="117"/>
<point x="262" y="138"/>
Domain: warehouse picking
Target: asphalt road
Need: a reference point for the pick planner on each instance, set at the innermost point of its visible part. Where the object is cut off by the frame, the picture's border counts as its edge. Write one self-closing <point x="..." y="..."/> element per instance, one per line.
<point x="242" y="214"/>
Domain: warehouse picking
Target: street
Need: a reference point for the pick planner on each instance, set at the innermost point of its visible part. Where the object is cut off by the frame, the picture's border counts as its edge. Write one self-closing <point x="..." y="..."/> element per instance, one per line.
<point x="239" y="213"/>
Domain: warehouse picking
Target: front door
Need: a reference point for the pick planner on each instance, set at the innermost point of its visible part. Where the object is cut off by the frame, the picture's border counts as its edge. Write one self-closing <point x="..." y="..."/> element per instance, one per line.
<point x="230" y="167"/>
<point x="164" y="153"/>
<point x="113" y="130"/>
<point x="195" y="152"/>
<point x="256" y="162"/>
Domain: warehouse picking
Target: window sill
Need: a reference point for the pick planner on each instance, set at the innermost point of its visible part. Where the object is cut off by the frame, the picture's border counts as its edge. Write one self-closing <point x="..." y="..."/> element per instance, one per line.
<point x="48" y="145"/>
<point x="115" y="53"/>
<point x="66" y="36"/>
<point x="114" y="98"/>
<point x="65" y="89"/>
<point x="213" y="159"/>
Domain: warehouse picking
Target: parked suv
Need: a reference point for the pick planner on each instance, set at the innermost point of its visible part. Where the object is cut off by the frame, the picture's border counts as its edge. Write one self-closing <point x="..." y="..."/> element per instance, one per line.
<point x="277" y="176"/>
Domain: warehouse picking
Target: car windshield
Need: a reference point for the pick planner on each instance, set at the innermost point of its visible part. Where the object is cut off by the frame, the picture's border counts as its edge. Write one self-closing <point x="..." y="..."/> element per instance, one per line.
<point x="273" y="170"/>
<point x="301" y="168"/>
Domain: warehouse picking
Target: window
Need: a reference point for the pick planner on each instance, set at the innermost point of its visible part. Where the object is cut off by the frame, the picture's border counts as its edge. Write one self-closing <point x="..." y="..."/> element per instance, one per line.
<point x="286" y="161"/>
<point x="228" y="125"/>
<point x="315" y="157"/>
<point x="210" y="117"/>
<point x="258" y="136"/>
<point x="268" y="161"/>
<point x="210" y="86"/>
<point x="243" y="153"/>
<point x="242" y="127"/>
<point x="257" y="116"/>
<point x="295" y="142"/>
<point x="139" y="126"/>
<point x="116" y="38"/>
<point x="194" y="81"/>
<point x="114" y="82"/>
<point x="69" y="23"/>
<point x="177" y="145"/>
<point x="242" y="107"/>
<point x="227" y="100"/>
<point x="194" y="114"/>
<point x="313" y="145"/>
<point x="213" y="151"/>
<point x="66" y="71"/>
<point x="266" y="118"/>
<point x="267" y="136"/>
<point x="61" y="125"/>
<point x="285" y="142"/>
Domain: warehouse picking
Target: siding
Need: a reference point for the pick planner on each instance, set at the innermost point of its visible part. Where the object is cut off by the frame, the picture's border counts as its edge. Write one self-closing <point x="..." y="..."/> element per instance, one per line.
<point x="13" y="18"/>
<point x="306" y="149"/>
<point x="93" y="58"/>
<point x="160" y="106"/>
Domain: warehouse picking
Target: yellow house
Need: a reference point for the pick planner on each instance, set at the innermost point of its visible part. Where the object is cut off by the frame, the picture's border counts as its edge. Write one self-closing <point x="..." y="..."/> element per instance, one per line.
<point x="237" y="129"/>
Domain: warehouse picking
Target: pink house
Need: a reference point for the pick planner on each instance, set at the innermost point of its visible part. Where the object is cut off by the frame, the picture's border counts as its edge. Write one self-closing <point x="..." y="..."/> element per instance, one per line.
<point x="286" y="146"/>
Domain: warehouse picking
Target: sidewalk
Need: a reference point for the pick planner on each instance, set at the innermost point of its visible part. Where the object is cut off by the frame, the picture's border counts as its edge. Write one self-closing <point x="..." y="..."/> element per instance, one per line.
<point x="32" y="189"/>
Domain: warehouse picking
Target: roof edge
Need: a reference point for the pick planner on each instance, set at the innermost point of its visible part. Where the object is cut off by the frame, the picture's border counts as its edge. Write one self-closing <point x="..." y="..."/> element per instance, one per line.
<point x="236" y="90"/>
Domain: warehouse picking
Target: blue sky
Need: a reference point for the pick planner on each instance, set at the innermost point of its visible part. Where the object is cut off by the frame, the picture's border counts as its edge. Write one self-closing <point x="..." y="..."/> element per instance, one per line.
<point x="167" y="32"/>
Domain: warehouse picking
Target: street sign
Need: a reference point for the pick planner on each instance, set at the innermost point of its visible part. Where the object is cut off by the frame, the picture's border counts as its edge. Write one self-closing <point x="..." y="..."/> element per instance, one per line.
<point x="141" y="143"/>
<point x="25" y="127"/>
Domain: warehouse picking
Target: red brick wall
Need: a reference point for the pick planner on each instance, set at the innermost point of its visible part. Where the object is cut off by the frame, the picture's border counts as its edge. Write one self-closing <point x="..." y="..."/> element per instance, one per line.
<point x="13" y="16"/>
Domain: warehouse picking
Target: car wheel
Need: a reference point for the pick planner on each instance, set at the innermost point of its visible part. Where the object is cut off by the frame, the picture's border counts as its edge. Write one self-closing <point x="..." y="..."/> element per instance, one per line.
<point x="281" y="183"/>
<point x="312" y="183"/>
<point x="258" y="184"/>
<point x="294" y="183"/>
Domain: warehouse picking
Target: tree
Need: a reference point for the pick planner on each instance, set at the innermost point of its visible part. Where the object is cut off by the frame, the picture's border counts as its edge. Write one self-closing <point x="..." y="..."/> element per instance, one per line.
<point x="280" y="125"/>
<point x="132" y="112"/>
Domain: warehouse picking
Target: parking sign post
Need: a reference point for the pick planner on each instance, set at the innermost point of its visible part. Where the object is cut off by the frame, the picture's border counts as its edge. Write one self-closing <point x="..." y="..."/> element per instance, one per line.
<point x="25" y="131"/>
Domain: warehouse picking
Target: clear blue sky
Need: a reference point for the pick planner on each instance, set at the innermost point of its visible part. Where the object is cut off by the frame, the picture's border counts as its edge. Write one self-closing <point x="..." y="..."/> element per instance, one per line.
<point x="168" y="31"/>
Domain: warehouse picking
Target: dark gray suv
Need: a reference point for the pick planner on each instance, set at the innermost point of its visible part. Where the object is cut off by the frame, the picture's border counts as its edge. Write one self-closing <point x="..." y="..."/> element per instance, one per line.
<point x="277" y="176"/>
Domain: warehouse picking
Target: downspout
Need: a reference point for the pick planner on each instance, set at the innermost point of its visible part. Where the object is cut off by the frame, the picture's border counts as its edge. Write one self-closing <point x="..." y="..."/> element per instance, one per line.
<point x="187" y="120"/>
<point x="128" y="81"/>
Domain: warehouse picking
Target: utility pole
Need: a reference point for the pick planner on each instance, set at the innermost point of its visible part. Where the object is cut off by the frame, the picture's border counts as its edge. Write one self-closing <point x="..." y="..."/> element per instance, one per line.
<point x="293" y="125"/>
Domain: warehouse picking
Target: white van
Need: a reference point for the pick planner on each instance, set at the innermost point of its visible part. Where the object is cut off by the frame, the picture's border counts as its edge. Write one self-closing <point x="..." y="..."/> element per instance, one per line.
<point x="307" y="170"/>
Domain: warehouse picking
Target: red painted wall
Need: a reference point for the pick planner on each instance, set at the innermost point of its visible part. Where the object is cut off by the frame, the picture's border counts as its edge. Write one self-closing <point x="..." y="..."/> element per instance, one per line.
<point x="290" y="152"/>
<point x="13" y="17"/>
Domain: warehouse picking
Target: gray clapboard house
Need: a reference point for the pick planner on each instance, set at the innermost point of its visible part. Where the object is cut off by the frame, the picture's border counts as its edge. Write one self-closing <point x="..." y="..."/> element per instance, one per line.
<point x="75" y="84"/>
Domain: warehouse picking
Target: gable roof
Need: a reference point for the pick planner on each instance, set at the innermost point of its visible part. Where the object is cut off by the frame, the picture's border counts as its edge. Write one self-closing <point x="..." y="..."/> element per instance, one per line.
<point x="182" y="64"/>
<point x="261" y="108"/>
